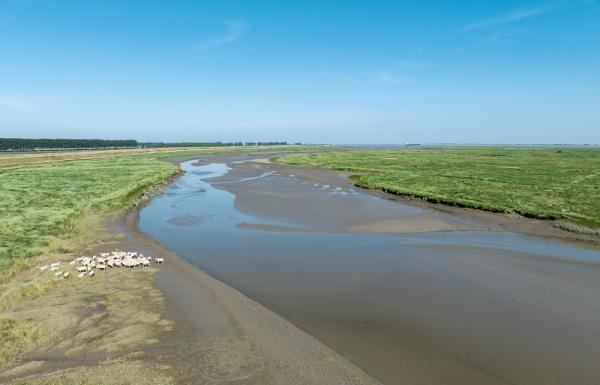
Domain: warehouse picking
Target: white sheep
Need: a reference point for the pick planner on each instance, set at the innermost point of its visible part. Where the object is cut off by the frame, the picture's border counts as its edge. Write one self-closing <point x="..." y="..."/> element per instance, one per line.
<point x="85" y="266"/>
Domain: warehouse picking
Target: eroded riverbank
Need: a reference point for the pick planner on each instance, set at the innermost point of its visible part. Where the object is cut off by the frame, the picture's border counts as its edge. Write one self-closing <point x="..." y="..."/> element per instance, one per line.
<point x="462" y="307"/>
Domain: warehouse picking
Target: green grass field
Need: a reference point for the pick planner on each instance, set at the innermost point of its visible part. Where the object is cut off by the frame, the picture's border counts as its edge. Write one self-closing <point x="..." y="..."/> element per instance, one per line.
<point x="42" y="195"/>
<point x="547" y="183"/>
<point x="40" y="202"/>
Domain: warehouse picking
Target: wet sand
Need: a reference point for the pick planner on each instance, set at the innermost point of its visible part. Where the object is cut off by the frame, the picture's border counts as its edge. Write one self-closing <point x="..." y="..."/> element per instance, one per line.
<point x="222" y="336"/>
<point x="451" y="307"/>
<point x="434" y="217"/>
<point x="275" y="191"/>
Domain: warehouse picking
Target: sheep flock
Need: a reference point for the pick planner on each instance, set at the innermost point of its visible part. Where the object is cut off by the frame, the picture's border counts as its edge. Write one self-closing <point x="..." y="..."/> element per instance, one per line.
<point x="87" y="266"/>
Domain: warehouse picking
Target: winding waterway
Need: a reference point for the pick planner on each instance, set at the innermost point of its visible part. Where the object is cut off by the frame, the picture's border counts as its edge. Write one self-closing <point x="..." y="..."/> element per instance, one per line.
<point x="461" y="307"/>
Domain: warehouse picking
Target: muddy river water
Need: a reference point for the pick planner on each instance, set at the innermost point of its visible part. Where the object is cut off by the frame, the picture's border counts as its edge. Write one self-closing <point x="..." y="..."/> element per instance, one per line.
<point x="426" y="307"/>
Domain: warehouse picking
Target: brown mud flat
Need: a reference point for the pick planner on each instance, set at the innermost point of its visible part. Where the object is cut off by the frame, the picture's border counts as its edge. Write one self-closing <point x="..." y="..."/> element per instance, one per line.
<point x="455" y="219"/>
<point x="469" y="312"/>
<point x="461" y="218"/>
<point x="226" y="337"/>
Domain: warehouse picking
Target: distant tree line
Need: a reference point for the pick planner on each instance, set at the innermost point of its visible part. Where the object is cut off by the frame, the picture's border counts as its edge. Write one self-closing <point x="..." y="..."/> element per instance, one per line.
<point x="17" y="144"/>
<point x="208" y="144"/>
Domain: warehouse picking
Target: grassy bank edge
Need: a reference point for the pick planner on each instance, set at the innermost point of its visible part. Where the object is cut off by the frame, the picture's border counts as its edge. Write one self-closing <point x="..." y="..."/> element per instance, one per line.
<point x="110" y="204"/>
<point x="73" y="223"/>
<point x="358" y="179"/>
<point x="34" y="315"/>
<point x="80" y="230"/>
<point x="26" y="285"/>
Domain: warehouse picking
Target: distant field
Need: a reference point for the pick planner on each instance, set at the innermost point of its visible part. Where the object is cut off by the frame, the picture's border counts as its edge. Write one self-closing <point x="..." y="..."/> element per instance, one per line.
<point x="548" y="183"/>
<point x="42" y="196"/>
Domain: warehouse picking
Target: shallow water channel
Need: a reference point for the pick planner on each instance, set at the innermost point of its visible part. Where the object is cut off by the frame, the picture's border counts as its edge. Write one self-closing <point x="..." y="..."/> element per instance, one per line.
<point x="462" y="307"/>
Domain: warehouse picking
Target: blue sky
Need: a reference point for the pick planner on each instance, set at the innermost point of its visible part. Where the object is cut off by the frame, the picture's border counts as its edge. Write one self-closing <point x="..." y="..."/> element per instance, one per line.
<point x="310" y="71"/>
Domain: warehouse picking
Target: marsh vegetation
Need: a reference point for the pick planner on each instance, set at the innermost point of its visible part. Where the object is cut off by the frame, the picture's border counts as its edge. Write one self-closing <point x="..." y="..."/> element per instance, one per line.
<point x="42" y="202"/>
<point x="546" y="183"/>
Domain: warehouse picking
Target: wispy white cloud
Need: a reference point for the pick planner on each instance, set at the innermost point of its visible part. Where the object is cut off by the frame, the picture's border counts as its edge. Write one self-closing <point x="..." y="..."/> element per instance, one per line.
<point x="384" y="75"/>
<point x="509" y="35"/>
<point x="524" y="13"/>
<point x="234" y="30"/>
